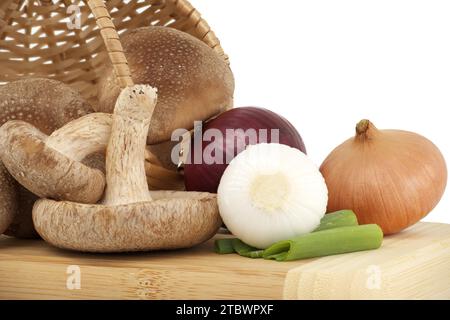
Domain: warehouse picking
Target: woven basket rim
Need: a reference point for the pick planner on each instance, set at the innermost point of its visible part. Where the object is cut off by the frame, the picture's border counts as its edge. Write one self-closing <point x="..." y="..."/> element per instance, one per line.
<point x="82" y="74"/>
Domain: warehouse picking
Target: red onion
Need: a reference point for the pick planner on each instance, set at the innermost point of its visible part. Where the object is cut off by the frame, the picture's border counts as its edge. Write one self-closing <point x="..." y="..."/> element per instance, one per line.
<point x="201" y="175"/>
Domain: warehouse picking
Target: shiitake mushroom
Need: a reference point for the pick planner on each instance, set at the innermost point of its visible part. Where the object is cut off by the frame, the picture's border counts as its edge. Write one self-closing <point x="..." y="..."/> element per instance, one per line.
<point x="194" y="83"/>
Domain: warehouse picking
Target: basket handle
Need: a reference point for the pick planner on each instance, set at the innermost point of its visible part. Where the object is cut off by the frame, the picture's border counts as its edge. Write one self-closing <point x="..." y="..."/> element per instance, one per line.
<point x="112" y="42"/>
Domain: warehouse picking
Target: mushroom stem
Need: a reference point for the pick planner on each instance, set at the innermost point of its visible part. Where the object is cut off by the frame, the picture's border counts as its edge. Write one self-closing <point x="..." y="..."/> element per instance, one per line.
<point x="82" y="137"/>
<point x="125" y="169"/>
<point x="90" y="134"/>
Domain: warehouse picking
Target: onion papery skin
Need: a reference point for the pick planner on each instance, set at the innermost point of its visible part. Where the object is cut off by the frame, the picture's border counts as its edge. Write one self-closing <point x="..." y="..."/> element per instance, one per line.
<point x="206" y="177"/>
<point x="391" y="178"/>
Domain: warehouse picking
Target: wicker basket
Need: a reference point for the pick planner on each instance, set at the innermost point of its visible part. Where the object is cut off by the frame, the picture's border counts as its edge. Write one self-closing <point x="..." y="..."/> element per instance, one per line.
<point x="37" y="37"/>
<point x="60" y="39"/>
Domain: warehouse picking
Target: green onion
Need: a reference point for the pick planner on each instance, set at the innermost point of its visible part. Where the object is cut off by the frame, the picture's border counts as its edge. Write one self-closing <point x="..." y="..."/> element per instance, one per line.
<point x="338" y="233"/>
<point x="344" y="218"/>
<point x="223" y="246"/>
<point x="278" y="257"/>
<point x="227" y="246"/>
<point x="245" y="250"/>
<point x="241" y="247"/>
<point x="257" y="254"/>
<point x="327" y="242"/>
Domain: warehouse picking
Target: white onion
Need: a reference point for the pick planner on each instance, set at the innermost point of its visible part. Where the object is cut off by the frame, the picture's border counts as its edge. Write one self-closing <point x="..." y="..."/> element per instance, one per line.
<point x="271" y="192"/>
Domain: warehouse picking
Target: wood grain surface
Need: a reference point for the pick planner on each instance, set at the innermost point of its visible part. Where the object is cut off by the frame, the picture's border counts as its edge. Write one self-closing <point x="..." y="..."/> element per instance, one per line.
<point x="412" y="265"/>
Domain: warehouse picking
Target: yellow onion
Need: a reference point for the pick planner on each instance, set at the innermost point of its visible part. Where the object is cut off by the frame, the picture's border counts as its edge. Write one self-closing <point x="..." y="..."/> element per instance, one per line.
<point x="389" y="177"/>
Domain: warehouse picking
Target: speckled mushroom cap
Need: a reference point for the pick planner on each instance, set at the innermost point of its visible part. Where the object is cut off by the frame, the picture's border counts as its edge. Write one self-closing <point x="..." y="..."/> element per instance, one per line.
<point x="48" y="105"/>
<point x="193" y="81"/>
<point x="45" y="171"/>
<point x="173" y="220"/>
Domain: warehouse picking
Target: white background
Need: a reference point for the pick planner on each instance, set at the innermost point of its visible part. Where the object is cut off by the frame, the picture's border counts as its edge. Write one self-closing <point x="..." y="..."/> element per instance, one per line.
<point x="325" y="65"/>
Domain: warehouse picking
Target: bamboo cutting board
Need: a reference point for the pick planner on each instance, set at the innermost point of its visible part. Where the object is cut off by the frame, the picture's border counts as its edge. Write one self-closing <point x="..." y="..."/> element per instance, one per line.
<point x="412" y="265"/>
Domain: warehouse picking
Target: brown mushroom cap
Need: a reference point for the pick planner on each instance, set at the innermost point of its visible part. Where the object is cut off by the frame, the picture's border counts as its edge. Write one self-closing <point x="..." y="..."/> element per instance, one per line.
<point x="48" y="105"/>
<point x="8" y="199"/>
<point x="45" y="171"/>
<point x="193" y="81"/>
<point x="163" y="152"/>
<point x="22" y="225"/>
<point x="172" y="220"/>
